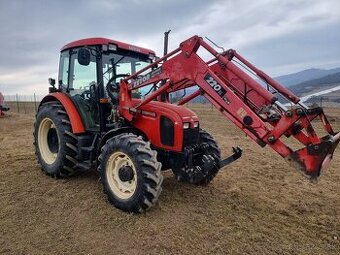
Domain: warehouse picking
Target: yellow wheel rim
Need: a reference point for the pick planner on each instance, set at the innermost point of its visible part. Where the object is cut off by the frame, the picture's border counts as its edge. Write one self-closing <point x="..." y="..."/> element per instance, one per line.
<point x="46" y="130"/>
<point x="122" y="189"/>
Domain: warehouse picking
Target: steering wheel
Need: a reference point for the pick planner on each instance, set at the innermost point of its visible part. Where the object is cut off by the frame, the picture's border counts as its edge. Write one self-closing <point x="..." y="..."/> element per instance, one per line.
<point x="115" y="77"/>
<point x="113" y="87"/>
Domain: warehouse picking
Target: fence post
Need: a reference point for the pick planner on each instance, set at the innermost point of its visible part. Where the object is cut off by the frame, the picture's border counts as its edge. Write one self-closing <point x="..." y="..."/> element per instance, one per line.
<point x="35" y="103"/>
<point x="17" y="99"/>
<point x="25" y="104"/>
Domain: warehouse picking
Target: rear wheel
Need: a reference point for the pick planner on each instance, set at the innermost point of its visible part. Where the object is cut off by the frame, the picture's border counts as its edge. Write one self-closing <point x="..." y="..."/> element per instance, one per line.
<point x="55" y="145"/>
<point x="198" y="174"/>
<point x="130" y="173"/>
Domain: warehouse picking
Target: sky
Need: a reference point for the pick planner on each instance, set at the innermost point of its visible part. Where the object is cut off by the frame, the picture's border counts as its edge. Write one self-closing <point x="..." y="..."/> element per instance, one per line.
<point x="278" y="36"/>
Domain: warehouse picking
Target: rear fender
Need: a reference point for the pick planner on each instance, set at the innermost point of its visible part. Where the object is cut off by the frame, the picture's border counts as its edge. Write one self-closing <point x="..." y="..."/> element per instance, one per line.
<point x="72" y="112"/>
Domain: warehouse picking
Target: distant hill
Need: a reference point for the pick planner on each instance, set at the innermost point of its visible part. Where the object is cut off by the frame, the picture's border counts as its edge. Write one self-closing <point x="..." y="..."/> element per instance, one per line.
<point x="316" y="84"/>
<point x="306" y="75"/>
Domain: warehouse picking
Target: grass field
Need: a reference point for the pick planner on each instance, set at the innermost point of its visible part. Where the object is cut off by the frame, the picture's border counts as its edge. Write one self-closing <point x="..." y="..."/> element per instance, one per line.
<point x="257" y="205"/>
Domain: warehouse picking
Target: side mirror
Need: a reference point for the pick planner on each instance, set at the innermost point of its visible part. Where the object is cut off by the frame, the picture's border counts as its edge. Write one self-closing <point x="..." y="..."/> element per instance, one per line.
<point x="52" y="89"/>
<point x="84" y="57"/>
<point x="51" y="81"/>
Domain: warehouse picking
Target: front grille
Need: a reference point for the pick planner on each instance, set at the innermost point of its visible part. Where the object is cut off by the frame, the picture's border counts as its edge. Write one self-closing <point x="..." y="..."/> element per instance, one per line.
<point x="190" y="136"/>
<point x="167" y="131"/>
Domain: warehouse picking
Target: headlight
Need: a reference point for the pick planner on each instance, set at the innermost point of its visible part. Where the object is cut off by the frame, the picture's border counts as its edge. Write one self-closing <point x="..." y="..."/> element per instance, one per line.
<point x="196" y="124"/>
<point x="186" y="125"/>
<point x="112" y="47"/>
<point x="152" y="57"/>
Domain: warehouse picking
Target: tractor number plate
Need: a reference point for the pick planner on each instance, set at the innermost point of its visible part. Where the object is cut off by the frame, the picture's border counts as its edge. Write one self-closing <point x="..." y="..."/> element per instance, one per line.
<point x="215" y="85"/>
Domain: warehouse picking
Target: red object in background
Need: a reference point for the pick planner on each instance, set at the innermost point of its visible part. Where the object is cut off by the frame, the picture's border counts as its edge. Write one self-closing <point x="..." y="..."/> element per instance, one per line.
<point x="3" y="107"/>
<point x="2" y="99"/>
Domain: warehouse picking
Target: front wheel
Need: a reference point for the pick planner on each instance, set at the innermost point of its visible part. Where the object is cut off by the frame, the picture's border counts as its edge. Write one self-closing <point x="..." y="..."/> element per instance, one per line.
<point x="130" y="173"/>
<point x="198" y="174"/>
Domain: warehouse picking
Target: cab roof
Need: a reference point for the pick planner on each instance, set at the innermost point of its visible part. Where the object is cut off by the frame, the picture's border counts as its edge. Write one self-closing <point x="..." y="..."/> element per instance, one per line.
<point x="106" y="41"/>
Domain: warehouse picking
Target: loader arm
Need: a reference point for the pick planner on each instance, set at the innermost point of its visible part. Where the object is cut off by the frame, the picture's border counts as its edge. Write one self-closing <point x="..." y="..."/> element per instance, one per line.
<point x="253" y="108"/>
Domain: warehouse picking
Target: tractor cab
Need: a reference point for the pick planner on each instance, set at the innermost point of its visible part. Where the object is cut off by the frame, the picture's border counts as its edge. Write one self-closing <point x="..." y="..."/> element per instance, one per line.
<point x="90" y="71"/>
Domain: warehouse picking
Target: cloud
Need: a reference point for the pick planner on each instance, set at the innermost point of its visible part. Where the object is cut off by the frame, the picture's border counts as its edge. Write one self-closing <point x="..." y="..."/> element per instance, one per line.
<point x="278" y="36"/>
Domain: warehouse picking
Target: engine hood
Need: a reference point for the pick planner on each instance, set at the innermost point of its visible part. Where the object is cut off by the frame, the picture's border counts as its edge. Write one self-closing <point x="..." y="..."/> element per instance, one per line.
<point x="176" y="111"/>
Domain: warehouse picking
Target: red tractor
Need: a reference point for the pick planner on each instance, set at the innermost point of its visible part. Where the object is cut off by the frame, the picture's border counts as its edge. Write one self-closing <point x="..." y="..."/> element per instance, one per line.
<point x="3" y="107"/>
<point x="111" y="111"/>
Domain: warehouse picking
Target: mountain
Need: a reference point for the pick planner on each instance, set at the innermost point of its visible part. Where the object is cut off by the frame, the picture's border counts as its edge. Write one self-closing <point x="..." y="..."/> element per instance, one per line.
<point x="316" y="84"/>
<point x="306" y="75"/>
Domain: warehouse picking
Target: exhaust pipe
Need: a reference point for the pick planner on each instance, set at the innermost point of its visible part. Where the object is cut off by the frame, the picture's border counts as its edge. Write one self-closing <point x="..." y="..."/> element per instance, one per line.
<point x="166" y="42"/>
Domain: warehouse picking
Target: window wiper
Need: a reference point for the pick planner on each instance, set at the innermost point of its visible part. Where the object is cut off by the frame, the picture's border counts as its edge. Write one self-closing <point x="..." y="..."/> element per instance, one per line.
<point x="114" y="64"/>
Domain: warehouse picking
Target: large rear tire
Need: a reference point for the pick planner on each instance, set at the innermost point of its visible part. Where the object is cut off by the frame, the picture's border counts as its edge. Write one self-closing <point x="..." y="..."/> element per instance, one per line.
<point x="198" y="175"/>
<point x="130" y="173"/>
<point x="55" y="144"/>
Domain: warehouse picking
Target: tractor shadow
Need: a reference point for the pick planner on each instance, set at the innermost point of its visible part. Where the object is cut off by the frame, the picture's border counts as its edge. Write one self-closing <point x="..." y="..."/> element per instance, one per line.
<point x="175" y="195"/>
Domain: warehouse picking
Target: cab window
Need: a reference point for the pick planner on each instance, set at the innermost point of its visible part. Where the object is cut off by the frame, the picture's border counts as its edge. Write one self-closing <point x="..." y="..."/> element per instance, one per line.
<point x="63" y="69"/>
<point x="81" y="76"/>
<point x="116" y="64"/>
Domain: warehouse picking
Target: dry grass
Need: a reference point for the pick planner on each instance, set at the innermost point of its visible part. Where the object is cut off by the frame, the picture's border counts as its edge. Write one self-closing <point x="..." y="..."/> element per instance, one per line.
<point x="257" y="205"/>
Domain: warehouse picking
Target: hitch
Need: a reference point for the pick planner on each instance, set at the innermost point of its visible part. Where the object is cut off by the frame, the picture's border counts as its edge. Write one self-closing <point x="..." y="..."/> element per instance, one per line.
<point x="237" y="153"/>
<point x="197" y="172"/>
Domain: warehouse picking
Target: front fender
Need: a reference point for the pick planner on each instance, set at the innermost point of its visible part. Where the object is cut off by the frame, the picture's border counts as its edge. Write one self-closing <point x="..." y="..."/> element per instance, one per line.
<point x="118" y="131"/>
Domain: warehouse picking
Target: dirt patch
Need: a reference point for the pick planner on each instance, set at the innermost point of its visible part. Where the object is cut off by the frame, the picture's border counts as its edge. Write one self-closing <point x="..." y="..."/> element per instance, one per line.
<point x="257" y="205"/>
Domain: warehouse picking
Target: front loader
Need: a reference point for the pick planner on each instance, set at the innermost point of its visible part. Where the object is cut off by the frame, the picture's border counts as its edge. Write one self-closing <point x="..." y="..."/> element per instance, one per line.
<point x="112" y="110"/>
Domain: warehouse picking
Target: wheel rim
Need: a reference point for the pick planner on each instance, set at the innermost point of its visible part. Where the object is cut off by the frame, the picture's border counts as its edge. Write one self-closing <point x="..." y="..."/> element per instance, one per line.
<point x="48" y="141"/>
<point x="122" y="189"/>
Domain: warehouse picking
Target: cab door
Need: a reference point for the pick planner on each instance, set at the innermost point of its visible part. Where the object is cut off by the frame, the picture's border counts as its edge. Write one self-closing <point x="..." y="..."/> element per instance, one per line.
<point x="80" y="82"/>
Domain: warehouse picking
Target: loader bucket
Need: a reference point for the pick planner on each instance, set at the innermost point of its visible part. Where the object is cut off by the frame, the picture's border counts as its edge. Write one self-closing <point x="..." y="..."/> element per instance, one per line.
<point x="315" y="158"/>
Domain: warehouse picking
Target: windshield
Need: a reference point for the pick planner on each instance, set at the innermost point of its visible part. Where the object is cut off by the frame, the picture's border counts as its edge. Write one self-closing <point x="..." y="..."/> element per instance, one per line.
<point x="115" y="64"/>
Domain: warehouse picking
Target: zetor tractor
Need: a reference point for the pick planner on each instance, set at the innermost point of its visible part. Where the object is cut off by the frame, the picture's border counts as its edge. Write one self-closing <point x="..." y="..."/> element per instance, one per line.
<point x="112" y="110"/>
